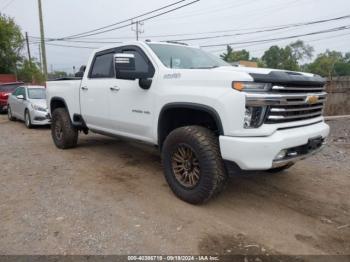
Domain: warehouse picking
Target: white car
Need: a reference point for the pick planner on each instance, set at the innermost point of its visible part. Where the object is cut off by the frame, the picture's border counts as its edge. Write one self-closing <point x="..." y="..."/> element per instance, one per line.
<point x="205" y="116"/>
<point x="28" y="103"/>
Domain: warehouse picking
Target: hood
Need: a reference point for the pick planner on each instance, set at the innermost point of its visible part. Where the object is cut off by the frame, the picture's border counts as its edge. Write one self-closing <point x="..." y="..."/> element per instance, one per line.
<point x="39" y="102"/>
<point x="277" y="76"/>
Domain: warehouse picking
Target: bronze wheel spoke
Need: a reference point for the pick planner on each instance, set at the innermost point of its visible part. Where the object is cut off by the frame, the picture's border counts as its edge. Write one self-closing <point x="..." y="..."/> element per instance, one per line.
<point x="186" y="166"/>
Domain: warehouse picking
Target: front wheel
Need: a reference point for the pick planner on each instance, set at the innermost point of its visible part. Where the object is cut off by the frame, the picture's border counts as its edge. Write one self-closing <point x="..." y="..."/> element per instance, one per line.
<point x="192" y="163"/>
<point x="9" y="114"/>
<point x="27" y="120"/>
<point x="63" y="133"/>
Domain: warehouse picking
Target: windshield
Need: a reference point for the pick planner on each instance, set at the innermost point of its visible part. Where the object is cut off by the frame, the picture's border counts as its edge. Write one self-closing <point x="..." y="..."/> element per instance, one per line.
<point x="184" y="57"/>
<point x="36" y="93"/>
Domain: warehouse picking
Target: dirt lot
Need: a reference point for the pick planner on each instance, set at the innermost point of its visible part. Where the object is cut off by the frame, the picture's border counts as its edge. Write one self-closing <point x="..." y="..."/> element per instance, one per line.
<point x="110" y="197"/>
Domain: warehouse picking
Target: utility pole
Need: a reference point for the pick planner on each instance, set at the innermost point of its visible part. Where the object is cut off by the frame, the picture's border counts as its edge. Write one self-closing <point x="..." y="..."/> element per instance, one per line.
<point x="29" y="56"/>
<point x="42" y="36"/>
<point x="138" y="29"/>
<point x="40" y="60"/>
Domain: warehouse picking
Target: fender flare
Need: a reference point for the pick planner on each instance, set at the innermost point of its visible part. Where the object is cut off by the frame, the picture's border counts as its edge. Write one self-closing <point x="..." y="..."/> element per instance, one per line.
<point x="188" y="105"/>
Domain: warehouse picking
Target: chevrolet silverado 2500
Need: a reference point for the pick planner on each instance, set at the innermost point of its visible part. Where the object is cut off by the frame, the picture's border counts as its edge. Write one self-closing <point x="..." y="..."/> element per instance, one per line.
<point x="206" y="117"/>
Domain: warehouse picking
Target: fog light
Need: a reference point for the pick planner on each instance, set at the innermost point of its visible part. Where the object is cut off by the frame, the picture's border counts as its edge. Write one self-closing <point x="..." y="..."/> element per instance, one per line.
<point x="282" y="154"/>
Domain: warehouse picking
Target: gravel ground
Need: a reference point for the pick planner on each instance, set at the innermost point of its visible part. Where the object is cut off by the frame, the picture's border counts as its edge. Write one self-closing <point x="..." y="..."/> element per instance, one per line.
<point x="110" y="197"/>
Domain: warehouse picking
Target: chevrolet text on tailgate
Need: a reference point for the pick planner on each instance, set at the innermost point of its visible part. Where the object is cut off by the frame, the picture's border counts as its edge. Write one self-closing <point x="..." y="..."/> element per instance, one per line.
<point x="207" y="118"/>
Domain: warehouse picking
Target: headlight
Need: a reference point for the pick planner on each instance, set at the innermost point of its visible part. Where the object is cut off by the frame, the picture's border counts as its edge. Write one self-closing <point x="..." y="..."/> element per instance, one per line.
<point x="254" y="116"/>
<point x="251" y="86"/>
<point x="38" y="108"/>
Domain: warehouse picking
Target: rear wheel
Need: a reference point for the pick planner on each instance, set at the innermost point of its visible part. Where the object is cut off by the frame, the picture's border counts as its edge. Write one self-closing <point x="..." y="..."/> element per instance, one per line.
<point x="63" y="133"/>
<point x="27" y="120"/>
<point x="193" y="165"/>
<point x="9" y="114"/>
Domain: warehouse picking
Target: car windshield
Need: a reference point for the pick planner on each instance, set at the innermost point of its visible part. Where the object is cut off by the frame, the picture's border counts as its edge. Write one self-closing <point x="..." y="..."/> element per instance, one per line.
<point x="8" y="88"/>
<point x="185" y="57"/>
<point x="36" y="93"/>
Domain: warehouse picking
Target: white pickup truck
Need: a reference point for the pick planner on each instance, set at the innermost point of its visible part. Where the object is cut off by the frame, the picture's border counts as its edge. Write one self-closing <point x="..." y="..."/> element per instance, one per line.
<point x="207" y="118"/>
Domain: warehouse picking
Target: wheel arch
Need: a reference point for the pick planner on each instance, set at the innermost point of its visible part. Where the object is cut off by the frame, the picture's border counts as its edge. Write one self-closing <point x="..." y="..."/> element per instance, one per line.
<point x="186" y="110"/>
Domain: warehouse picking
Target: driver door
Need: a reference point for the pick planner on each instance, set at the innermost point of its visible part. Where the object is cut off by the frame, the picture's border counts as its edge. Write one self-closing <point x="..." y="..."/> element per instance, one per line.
<point x="131" y="107"/>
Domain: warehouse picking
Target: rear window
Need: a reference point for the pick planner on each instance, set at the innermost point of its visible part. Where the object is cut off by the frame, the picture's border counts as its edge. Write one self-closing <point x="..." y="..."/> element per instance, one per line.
<point x="8" y="88"/>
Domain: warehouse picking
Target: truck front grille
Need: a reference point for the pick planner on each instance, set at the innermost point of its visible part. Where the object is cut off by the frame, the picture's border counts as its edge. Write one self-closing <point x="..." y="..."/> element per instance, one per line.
<point x="290" y="103"/>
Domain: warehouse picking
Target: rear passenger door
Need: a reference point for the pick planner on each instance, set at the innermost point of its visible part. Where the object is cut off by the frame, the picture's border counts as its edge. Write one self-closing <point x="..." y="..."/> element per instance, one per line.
<point x="95" y="90"/>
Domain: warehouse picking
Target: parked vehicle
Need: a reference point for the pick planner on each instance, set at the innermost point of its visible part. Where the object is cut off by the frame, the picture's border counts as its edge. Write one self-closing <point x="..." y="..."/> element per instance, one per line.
<point x="207" y="117"/>
<point x="28" y="103"/>
<point x="5" y="91"/>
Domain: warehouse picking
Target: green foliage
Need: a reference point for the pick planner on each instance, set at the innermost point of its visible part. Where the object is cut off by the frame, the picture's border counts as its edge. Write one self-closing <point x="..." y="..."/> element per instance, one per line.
<point x="29" y="72"/>
<point x="327" y="64"/>
<point x="280" y="58"/>
<point x="11" y="43"/>
<point x="235" y="56"/>
<point x="301" y="51"/>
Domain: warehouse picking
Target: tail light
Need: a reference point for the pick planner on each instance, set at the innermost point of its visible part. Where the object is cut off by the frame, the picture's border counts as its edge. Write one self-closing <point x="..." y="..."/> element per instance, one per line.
<point x="4" y="95"/>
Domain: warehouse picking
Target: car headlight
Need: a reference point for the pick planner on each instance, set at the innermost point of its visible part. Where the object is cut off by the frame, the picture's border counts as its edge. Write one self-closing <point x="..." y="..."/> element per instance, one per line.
<point x="38" y="108"/>
<point x="254" y="116"/>
<point x="251" y="86"/>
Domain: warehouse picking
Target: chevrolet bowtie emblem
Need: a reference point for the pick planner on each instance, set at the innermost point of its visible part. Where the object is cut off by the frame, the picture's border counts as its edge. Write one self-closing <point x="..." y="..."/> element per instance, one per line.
<point x="312" y="100"/>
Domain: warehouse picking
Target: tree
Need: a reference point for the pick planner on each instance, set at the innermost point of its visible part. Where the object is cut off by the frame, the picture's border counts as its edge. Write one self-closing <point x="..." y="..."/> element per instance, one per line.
<point x="301" y="51"/>
<point x="235" y="56"/>
<point x="326" y="63"/>
<point x="29" y="72"/>
<point x="280" y="58"/>
<point x="11" y="43"/>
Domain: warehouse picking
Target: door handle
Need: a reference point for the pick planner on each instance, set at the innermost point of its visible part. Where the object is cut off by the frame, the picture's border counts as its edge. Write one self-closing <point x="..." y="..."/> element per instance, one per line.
<point x="84" y="88"/>
<point x="114" y="88"/>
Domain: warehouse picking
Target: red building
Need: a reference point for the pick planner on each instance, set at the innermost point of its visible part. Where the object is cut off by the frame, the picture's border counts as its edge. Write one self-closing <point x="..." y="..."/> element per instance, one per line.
<point x="7" y="78"/>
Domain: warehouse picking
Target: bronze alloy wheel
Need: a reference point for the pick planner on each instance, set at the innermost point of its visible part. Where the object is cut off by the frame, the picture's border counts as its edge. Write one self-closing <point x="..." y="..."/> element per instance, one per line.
<point x="185" y="166"/>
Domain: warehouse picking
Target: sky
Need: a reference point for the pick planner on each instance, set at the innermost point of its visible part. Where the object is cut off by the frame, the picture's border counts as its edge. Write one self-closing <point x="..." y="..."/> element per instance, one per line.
<point x="240" y="19"/>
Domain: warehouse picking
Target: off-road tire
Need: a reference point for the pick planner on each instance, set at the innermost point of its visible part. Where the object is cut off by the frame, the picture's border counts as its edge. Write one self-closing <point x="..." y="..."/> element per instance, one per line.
<point x="279" y="169"/>
<point x="63" y="133"/>
<point x="27" y="121"/>
<point x="205" y="145"/>
<point x="9" y="114"/>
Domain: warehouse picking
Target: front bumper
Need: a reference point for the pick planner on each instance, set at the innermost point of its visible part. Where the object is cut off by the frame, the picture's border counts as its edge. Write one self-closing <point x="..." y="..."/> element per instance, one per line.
<point x="259" y="153"/>
<point x="40" y="117"/>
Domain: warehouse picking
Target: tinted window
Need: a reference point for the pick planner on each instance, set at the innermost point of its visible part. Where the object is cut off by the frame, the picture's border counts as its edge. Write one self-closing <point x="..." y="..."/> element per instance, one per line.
<point x="36" y="93"/>
<point x="8" y="88"/>
<point x="141" y="64"/>
<point x="17" y="91"/>
<point x="103" y="66"/>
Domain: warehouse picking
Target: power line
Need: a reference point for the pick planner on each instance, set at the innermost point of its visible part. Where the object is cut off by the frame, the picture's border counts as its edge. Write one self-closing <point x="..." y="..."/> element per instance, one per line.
<point x="282" y="38"/>
<point x="266" y="30"/>
<point x="97" y="31"/>
<point x="131" y="23"/>
<point x="7" y="5"/>
<point x="126" y="20"/>
<point x="261" y="49"/>
<point x="259" y="30"/>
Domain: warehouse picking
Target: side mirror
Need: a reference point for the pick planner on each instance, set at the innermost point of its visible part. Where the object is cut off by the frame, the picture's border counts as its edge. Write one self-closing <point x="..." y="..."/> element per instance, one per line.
<point x="20" y="97"/>
<point x="125" y="66"/>
<point x="145" y="83"/>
